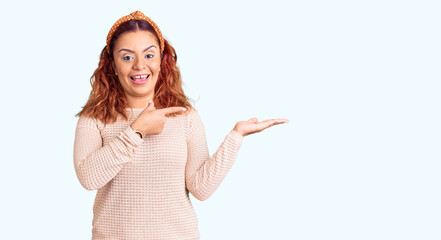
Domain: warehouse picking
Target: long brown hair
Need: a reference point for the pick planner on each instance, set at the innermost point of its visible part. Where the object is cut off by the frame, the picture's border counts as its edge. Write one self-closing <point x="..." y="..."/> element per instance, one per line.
<point x="107" y="99"/>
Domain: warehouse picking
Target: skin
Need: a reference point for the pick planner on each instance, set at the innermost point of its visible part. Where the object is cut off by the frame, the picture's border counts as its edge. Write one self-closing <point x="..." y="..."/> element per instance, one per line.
<point x="130" y="58"/>
<point x="138" y="53"/>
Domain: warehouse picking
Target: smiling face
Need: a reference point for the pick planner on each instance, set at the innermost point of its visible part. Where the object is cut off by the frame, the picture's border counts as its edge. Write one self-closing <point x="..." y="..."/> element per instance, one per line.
<point x="137" y="61"/>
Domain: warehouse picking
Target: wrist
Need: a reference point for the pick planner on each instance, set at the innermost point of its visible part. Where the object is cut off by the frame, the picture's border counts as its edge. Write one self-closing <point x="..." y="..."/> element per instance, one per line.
<point x="234" y="129"/>
<point x="137" y="131"/>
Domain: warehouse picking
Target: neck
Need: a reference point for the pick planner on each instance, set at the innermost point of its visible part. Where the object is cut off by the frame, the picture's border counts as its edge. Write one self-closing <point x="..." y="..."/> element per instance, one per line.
<point x="138" y="102"/>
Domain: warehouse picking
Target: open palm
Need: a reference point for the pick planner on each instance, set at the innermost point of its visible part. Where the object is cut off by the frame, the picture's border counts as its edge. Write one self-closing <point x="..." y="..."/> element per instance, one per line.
<point x="252" y="126"/>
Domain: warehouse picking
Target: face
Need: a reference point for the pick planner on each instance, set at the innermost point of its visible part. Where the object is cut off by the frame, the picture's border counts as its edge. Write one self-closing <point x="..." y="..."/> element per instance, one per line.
<point x="137" y="61"/>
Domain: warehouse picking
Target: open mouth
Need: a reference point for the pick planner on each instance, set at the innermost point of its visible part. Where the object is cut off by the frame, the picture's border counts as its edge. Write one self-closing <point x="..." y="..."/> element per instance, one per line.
<point x="140" y="79"/>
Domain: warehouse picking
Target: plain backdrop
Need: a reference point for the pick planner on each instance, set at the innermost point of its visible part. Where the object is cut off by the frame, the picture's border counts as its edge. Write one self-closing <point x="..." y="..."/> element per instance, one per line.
<point x="358" y="80"/>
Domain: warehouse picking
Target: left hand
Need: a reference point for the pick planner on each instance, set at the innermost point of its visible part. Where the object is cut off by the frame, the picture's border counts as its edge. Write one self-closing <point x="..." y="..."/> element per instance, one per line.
<point x="252" y="126"/>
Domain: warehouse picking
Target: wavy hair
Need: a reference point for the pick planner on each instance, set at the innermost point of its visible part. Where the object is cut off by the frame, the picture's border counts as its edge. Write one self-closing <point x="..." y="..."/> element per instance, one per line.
<point x="107" y="99"/>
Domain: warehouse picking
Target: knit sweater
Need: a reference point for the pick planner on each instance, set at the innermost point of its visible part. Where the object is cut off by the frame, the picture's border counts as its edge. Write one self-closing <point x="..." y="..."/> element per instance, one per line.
<point x="143" y="184"/>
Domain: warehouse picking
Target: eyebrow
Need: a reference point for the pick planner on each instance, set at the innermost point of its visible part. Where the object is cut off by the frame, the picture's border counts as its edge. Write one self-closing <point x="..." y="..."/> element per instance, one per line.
<point x="128" y="50"/>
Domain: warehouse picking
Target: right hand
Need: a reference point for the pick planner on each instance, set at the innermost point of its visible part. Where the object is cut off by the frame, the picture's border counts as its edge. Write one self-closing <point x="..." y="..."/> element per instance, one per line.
<point x="151" y="120"/>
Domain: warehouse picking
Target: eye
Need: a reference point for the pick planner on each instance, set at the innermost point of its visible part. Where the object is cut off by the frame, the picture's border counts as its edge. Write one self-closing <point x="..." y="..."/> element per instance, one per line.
<point x="149" y="55"/>
<point x="126" y="58"/>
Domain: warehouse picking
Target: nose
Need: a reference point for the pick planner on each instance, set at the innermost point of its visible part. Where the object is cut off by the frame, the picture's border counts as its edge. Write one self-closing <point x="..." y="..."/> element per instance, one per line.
<point x="140" y="63"/>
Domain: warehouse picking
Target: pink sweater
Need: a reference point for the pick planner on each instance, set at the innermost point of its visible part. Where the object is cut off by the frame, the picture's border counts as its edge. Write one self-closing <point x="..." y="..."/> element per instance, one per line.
<point x="143" y="184"/>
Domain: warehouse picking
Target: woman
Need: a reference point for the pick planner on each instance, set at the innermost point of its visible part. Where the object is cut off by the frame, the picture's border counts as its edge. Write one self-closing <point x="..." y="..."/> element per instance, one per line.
<point x="142" y="145"/>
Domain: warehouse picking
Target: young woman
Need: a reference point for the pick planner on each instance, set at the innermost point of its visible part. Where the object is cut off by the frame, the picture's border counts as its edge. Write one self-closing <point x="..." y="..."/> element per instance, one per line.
<point x="142" y="145"/>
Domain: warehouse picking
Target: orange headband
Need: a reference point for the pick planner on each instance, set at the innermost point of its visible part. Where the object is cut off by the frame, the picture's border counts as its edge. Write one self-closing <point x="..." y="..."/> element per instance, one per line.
<point x="138" y="16"/>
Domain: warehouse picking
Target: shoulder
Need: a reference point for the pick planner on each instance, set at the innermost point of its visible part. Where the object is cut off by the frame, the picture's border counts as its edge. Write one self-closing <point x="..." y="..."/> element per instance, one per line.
<point x="89" y="122"/>
<point x="192" y="115"/>
<point x="193" y="122"/>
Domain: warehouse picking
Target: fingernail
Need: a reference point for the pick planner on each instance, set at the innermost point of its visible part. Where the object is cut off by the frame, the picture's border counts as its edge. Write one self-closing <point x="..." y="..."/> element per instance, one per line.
<point x="184" y="109"/>
<point x="150" y="101"/>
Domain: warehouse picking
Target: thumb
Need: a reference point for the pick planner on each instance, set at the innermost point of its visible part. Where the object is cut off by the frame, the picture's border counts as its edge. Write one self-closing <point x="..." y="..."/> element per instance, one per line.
<point x="253" y="120"/>
<point x="151" y="105"/>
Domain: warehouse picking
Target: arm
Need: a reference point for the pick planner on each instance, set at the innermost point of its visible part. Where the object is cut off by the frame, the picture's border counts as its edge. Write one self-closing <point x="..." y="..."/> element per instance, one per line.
<point x="204" y="174"/>
<point x="95" y="164"/>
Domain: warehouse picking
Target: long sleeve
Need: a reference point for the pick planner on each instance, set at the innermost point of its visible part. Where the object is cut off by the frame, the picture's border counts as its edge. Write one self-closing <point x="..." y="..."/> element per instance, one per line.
<point x="203" y="174"/>
<point x="95" y="164"/>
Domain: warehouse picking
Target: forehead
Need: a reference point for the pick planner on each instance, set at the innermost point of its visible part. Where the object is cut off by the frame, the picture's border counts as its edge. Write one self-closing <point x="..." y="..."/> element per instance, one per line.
<point x="138" y="40"/>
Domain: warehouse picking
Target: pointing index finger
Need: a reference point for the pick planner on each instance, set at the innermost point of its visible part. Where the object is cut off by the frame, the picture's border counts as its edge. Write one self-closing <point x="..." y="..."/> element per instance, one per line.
<point x="173" y="110"/>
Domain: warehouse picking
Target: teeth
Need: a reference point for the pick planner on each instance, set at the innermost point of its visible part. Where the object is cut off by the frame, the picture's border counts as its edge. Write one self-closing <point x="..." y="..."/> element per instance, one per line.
<point x="142" y="76"/>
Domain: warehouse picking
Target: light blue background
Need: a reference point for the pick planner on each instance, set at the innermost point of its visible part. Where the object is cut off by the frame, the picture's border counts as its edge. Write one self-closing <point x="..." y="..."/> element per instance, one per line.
<point x="358" y="80"/>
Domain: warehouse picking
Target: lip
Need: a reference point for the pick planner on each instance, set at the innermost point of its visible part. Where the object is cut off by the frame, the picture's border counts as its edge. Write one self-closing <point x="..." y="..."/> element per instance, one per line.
<point x="141" y="74"/>
<point x="140" y="82"/>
